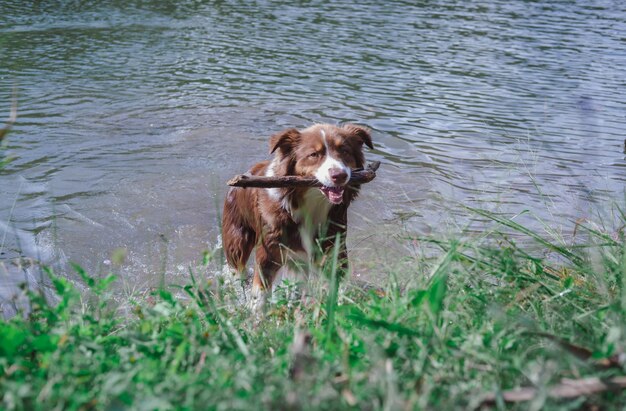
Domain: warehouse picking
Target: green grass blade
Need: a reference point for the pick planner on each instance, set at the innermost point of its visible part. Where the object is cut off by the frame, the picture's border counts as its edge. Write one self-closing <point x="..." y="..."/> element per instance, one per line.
<point x="331" y="301"/>
<point x="576" y="259"/>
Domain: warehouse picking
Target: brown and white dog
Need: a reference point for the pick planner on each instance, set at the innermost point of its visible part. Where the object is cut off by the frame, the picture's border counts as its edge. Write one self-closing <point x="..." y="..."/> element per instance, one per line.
<point x="286" y="223"/>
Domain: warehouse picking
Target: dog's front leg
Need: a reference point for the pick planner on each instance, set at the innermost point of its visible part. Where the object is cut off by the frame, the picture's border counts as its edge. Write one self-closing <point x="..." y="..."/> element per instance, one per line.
<point x="268" y="262"/>
<point x="329" y="245"/>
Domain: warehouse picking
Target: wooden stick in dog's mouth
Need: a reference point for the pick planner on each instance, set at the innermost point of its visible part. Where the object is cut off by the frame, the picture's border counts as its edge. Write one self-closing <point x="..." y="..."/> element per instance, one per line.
<point x="245" y="180"/>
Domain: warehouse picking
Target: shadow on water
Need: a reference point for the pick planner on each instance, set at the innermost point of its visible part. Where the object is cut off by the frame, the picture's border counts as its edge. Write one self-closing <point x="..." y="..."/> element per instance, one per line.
<point x="133" y="114"/>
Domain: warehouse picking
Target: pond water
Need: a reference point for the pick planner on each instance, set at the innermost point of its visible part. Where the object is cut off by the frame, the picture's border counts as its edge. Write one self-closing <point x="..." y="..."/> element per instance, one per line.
<point x="133" y="114"/>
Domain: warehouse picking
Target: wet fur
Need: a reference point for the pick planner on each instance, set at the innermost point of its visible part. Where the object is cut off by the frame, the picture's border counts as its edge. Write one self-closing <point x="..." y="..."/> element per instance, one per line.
<point x="283" y="222"/>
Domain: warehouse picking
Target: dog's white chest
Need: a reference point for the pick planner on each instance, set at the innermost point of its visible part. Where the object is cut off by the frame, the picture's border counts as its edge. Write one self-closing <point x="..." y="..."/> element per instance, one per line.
<point x="313" y="210"/>
<point x="312" y="217"/>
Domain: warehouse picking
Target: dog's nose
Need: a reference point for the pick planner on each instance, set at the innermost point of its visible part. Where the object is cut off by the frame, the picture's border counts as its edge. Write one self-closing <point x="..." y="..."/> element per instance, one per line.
<point x="338" y="176"/>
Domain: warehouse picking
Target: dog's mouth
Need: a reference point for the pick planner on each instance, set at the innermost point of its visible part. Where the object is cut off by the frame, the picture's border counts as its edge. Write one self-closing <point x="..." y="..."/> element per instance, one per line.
<point x="333" y="194"/>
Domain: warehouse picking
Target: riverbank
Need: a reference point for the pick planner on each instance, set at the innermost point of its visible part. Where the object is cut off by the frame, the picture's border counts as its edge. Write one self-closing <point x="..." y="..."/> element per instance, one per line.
<point x="482" y="322"/>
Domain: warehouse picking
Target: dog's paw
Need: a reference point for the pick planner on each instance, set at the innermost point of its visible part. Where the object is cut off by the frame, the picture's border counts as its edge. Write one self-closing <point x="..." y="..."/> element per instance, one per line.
<point x="233" y="284"/>
<point x="257" y="301"/>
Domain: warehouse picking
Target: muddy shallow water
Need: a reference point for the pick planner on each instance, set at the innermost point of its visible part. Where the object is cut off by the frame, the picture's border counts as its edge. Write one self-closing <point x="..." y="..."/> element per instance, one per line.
<point x="133" y="114"/>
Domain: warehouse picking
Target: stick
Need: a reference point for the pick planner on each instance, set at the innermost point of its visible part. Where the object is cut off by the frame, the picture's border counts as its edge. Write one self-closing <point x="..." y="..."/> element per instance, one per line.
<point x="246" y="180"/>
<point x="565" y="390"/>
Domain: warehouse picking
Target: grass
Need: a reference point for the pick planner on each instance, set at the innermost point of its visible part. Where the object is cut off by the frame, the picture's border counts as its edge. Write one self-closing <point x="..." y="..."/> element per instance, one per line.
<point x="482" y="317"/>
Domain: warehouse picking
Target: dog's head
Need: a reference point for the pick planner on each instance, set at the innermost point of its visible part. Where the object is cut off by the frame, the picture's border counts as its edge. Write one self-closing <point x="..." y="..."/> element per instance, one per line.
<point x="324" y="151"/>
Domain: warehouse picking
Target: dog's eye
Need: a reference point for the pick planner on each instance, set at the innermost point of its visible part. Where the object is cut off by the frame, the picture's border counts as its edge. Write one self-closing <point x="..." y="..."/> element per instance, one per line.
<point x="314" y="155"/>
<point x="344" y="151"/>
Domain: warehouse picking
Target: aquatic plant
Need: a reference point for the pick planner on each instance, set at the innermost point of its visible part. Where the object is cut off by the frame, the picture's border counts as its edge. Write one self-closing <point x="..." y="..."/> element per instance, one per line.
<point x="4" y="130"/>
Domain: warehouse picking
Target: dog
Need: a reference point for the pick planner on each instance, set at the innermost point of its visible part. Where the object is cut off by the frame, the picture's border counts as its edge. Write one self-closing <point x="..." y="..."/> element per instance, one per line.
<point x="299" y="224"/>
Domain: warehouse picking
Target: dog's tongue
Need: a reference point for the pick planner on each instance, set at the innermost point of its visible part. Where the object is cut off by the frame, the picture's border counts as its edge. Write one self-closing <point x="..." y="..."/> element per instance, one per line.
<point x="334" y="194"/>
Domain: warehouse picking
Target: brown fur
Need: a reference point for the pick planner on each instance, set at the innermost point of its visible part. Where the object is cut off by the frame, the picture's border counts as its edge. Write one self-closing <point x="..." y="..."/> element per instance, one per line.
<point x="272" y="220"/>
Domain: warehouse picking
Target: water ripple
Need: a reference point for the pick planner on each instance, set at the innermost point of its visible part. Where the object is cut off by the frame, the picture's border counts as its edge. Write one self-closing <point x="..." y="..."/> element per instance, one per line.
<point x="122" y="103"/>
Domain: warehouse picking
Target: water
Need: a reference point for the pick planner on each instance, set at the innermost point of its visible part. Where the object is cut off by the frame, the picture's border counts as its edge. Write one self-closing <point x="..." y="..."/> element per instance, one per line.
<point x="132" y="114"/>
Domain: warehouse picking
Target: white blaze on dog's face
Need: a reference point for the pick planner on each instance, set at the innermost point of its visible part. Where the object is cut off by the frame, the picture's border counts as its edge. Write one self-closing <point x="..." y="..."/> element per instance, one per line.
<point x="333" y="173"/>
<point x="326" y="152"/>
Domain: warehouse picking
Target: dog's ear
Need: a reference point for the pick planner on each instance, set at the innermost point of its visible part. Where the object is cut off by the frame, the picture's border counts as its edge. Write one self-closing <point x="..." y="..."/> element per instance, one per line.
<point x="284" y="140"/>
<point x="362" y="133"/>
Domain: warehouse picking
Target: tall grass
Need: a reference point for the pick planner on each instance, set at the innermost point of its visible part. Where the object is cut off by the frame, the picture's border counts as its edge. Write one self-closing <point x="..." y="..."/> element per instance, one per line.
<point x="484" y="317"/>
